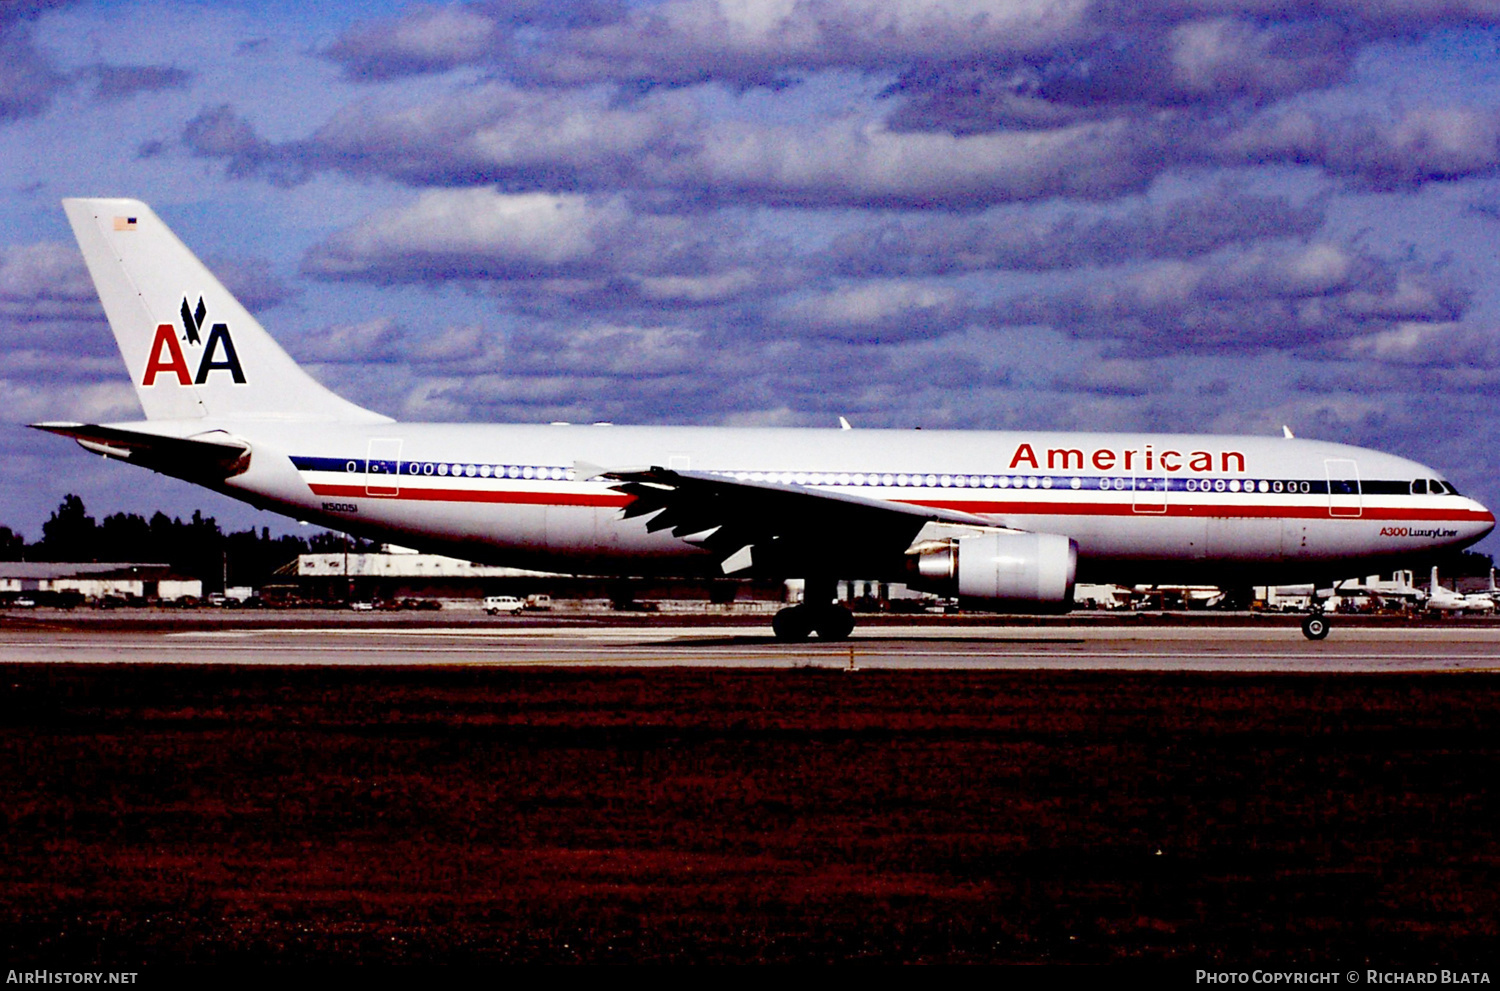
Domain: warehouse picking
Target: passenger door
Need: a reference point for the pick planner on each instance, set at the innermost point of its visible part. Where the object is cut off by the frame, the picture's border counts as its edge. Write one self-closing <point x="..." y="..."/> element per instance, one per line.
<point x="1344" y="498"/>
<point x="383" y="467"/>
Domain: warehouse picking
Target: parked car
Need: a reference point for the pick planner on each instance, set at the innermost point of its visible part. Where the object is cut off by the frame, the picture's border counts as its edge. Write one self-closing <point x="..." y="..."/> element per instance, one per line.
<point x="497" y="604"/>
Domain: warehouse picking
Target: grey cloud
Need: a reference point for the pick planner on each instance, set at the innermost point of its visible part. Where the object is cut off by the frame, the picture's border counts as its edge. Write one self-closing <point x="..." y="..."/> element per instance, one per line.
<point x="428" y="39"/>
<point x="44" y="272"/>
<point x="663" y="146"/>
<point x="47" y="301"/>
<point x="28" y="80"/>
<point x="452" y="345"/>
<point x="573" y="141"/>
<point x="605" y="351"/>
<point x="482" y="234"/>
<point x="1033" y="59"/>
<point x="688" y="41"/>
<point x="557" y="255"/>
<point x="1114" y="377"/>
<point x="379" y="340"/>
<point x="895" y="385"/>
<point x="1391" y="384"/>
<point x="220" y="132"/>
<point x="1436" y="345"/>
<point x="18" y="11"/>
<point x="42" y="365"/>
<point x="552" y="15"/>
<point x="1419" y="146"/>
<point x="1200" y="62"/>
<point x="669" y="399"/>
<point x="118" y="82"/>
<point x="876" y="311"/>
<point x="1182" y="228"/>
<point x="500" y="135"/>
<point x="435" y="39"/>
<point x="32" y="398"/>
<point x="859" y="163"/>
<point x="1292" y="300"/>
<point x="672" y="373"/>
<point x="253" y="282"/>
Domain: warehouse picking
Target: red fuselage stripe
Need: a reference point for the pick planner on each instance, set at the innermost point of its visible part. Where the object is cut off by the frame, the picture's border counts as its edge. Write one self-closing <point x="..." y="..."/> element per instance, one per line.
<point x="1178" y="509"/>
<point x="1199" y="509"/>
<point x="476" y="495"/>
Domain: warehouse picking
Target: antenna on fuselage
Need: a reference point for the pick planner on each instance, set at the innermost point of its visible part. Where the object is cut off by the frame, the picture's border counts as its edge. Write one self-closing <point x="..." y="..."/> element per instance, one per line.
<point x="1286" y="432"/>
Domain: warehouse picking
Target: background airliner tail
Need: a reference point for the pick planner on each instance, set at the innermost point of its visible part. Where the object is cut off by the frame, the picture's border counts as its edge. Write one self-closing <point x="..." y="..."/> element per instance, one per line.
<point x="191" y="349"/>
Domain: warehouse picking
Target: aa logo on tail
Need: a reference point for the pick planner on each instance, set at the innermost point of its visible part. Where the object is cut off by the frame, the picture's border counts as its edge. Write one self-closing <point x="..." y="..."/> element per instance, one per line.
<point x="217" y="352"/>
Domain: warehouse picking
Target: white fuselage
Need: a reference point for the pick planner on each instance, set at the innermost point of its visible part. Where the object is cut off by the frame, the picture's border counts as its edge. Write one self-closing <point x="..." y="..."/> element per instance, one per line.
<point x="1142" y="508"/>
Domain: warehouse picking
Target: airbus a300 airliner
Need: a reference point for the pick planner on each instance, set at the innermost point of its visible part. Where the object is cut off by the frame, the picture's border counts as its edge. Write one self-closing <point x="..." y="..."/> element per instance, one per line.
<point x="1004" y="520"/>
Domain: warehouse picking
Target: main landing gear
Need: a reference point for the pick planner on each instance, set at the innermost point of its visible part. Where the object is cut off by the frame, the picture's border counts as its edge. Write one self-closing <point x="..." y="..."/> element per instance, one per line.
<point x="830" y="622"/>
<point x="818" y="613"/>
<point x="1315" y="625"/>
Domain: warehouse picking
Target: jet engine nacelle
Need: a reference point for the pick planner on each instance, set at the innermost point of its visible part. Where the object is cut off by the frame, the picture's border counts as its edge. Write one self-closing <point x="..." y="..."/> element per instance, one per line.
<point x="1023" y="571"/>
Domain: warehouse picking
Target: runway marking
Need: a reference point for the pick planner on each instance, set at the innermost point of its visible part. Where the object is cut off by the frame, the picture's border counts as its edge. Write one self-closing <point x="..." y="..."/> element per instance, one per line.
<point x="874" y="635"/>
<point x="1178" y="649"/>
<point x="772" y="652"/>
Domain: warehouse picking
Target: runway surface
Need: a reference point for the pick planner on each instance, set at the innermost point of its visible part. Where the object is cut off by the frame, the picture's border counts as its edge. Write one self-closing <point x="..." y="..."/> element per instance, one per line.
<point x="1218" y="648"/>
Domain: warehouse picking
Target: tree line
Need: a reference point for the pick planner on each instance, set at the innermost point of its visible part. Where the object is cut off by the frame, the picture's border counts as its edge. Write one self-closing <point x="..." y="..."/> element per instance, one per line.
<point x="197" y="547"/>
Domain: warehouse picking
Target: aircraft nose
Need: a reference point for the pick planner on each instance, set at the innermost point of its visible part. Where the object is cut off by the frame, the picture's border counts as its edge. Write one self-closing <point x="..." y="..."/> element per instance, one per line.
<point x="1484" y="520"/>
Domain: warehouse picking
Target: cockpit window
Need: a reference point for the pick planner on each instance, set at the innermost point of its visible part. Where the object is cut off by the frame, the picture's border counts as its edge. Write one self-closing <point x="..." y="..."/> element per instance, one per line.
<point x="1447" y="487"/>
<point x="1419" y="486"/>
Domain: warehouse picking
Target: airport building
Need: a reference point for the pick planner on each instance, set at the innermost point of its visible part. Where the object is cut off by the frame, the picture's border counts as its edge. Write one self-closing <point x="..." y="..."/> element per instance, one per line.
<point x="96" y="580"/>
<point x="396" y="574"/>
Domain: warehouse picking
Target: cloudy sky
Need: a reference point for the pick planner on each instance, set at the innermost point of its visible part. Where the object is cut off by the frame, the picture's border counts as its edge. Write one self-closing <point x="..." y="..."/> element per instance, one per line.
<point x="1178" y="215"/>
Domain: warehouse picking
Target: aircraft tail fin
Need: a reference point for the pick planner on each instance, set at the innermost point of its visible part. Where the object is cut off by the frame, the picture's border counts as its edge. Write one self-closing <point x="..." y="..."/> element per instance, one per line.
<point x="191" y="349"/>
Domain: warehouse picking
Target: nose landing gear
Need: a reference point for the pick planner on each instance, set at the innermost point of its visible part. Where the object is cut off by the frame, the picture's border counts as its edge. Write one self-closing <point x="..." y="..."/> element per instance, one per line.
<point x="1315" y="625"/>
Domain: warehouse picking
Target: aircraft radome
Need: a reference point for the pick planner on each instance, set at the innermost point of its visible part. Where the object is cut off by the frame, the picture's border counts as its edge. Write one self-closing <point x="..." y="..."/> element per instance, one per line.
<point x="1004" y="520"/>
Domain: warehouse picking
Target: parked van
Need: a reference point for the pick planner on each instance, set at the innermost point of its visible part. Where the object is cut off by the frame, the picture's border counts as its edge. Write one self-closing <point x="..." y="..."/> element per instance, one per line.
<point x="497" y="604"/>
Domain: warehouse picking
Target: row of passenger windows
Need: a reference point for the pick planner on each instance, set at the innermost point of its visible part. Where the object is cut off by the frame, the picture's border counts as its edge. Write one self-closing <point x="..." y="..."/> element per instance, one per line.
<point x="1078" y="482"/>
<point x="376" y="467"/>
<point x="1420" y="486"/>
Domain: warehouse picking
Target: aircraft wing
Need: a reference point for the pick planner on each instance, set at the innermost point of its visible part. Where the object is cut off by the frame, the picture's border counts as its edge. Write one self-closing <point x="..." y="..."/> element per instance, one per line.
<point x="775" y="526"/>
<point x="207" y="458"/>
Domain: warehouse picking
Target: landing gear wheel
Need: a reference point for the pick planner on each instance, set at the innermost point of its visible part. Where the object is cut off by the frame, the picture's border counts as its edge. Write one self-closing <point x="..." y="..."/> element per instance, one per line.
<point x="1315" y="627"/>
<point x="834" y="623"/>
<point x="792" y="624"/>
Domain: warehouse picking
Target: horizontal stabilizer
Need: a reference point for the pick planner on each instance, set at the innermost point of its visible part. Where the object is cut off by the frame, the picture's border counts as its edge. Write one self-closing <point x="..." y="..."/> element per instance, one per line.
<point x="207" y="458"/>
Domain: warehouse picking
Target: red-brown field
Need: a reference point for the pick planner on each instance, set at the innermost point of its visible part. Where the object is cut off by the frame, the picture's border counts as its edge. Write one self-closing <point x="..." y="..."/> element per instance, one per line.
<point x="277" y="815"/>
